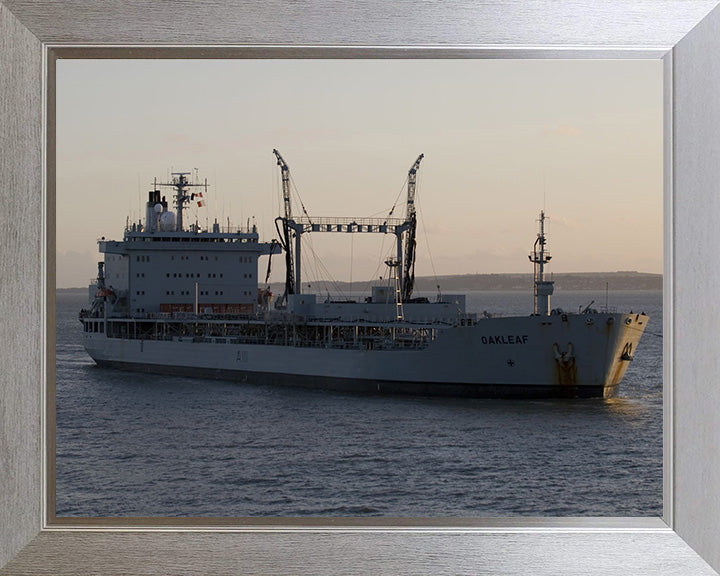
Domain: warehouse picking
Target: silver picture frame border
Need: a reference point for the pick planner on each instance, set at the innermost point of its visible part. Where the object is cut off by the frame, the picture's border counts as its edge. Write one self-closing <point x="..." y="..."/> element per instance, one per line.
<point x="39" y="544"/>
<point x="53" y="53"/>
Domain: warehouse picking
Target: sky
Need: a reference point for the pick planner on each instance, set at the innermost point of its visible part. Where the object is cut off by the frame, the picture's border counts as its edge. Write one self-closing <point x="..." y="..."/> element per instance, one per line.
<point x="502" y="140"/>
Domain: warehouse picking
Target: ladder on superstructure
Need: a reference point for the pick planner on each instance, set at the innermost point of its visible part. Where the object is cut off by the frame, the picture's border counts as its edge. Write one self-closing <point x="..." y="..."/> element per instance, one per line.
<point x="394" y="265"/>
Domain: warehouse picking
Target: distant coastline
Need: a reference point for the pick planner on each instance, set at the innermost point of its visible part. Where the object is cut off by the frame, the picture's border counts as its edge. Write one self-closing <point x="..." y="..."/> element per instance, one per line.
<point x="624" y="280"/>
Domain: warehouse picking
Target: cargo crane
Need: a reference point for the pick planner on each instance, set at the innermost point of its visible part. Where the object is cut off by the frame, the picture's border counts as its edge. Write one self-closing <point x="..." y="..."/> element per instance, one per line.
<point x="403" y="229"/>
<point x="287" y="224"/>
<point x="408" y="262"/>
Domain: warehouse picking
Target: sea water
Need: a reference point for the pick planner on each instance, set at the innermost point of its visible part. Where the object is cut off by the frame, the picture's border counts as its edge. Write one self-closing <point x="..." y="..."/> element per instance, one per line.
<point x="131" y="444"/>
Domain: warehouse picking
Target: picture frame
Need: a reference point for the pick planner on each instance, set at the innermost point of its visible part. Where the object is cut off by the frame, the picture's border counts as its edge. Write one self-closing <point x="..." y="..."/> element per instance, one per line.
<point x="684" y="34"/>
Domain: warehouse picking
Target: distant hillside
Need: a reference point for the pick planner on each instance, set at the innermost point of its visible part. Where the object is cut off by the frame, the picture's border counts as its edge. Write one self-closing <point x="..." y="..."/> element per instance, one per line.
<point x="574" y="281"/>
<point x="569" y="281"/>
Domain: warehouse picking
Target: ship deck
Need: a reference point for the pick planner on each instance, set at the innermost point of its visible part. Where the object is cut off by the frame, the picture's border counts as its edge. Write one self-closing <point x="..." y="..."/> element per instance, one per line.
<point x="282" y="331"/>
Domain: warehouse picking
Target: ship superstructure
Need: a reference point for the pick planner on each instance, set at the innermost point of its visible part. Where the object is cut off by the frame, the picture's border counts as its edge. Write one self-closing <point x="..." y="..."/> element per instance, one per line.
<point x="162" y="267"/>
<point x="175" y="298"/>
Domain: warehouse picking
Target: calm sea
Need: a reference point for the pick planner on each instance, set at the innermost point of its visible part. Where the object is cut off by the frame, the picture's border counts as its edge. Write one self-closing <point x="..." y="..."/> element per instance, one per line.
<point x="144" y="445"/>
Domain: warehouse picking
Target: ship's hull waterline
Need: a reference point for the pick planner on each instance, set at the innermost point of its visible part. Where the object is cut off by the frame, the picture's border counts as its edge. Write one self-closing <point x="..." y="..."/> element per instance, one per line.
<point x="561" y="355"/>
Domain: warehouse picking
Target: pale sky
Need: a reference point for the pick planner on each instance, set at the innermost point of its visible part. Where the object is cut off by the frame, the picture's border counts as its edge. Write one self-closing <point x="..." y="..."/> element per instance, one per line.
<point x="502" y="140"/>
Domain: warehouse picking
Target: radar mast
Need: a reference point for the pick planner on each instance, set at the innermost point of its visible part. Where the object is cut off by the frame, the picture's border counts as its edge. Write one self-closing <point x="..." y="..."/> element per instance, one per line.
<point x="180" y="183"/>
<point x="539" y="257"/>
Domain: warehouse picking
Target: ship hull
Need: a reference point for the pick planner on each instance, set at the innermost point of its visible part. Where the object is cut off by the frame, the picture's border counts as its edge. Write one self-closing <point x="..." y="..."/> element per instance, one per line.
<point x="521" y="357"/>
<point x="365" y="386"/>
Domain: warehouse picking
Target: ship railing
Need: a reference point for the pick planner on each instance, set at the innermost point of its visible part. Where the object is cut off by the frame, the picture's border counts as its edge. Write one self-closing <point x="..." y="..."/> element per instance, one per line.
<point x="377" y="344"/>
<point x="608" y="309"/>
<point x="485" y="314"/>
<point x="384" y="321"/>
<point x="230" y="339"/>
<point x="134" y="229"/>
<point x="85" y="313"/>
<point x="232" y="230"/>
<point x="192" y="317"/>
<point x="381" y="344"/>
<point x="349" y="224"/>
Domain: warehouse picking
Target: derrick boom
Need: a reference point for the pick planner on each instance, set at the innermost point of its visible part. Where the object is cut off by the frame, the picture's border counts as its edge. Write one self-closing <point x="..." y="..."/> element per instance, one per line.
<point x="287" y="221"/>
<point x="408" y="273"/>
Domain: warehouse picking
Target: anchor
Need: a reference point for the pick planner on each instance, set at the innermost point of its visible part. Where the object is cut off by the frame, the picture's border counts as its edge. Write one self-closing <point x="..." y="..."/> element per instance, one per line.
<point x="565" y="361"/>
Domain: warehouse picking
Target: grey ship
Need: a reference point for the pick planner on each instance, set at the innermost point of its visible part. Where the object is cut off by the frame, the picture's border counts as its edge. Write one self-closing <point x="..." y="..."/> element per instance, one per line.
<point x="177" y="299"/>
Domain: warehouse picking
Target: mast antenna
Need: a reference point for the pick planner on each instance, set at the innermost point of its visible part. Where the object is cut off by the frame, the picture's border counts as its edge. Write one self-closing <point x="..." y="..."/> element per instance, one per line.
<point x="542" y="289"/>
<point x="180" y="183"/>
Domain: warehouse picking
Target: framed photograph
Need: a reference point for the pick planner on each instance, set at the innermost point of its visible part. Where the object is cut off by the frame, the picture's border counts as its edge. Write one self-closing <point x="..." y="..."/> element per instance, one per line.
<point x="547" y="158"/>
<point x="451" y="545"/>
